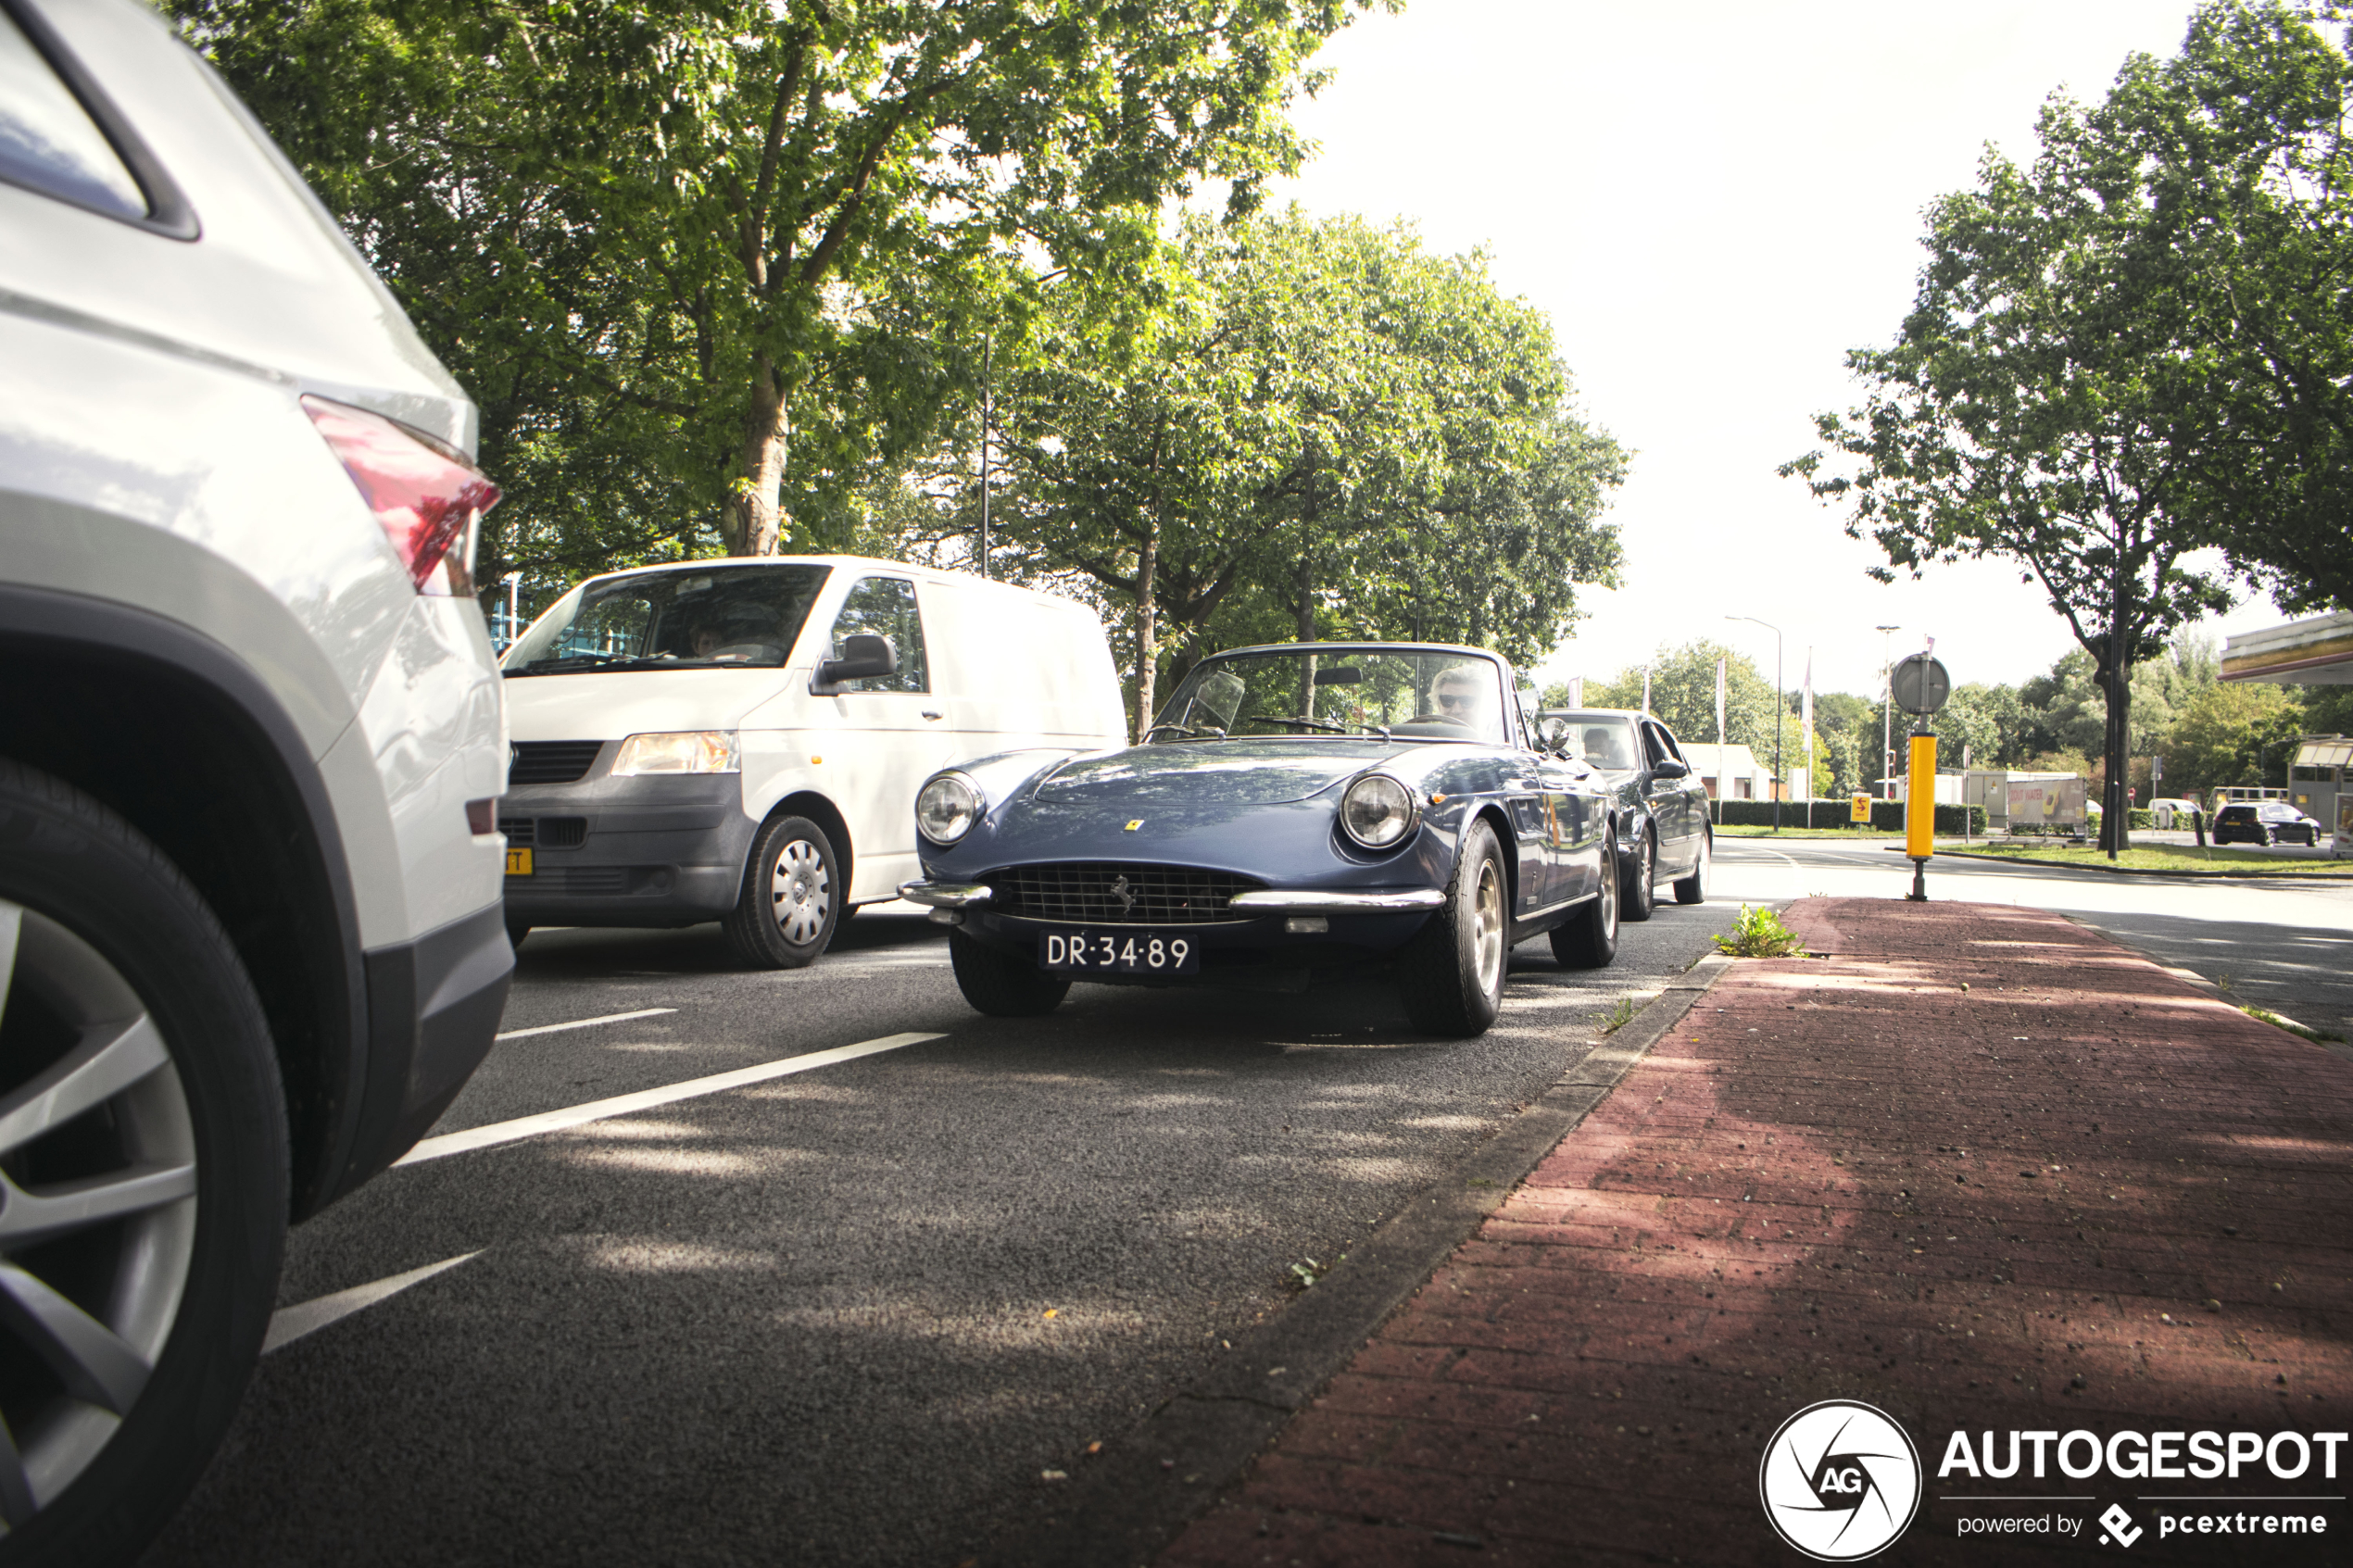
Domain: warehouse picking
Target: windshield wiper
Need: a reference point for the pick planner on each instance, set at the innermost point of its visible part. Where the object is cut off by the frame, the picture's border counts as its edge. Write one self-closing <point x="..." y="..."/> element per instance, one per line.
<point x="1304" y="724"/>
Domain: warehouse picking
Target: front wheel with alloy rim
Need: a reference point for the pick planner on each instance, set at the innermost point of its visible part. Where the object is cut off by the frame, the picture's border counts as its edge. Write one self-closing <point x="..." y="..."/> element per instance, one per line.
<point x="791" y="899"/>
<point x="1451" y="974"/>
<point x="143" y="1179"/>
<point x="1589" y="938"/>
<point x="1692" y="889"/>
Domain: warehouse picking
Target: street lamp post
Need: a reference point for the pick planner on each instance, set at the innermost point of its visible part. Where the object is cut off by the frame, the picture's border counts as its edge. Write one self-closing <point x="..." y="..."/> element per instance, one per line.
<point x="1887" y="710"/>
<point x="1777" y="711"/>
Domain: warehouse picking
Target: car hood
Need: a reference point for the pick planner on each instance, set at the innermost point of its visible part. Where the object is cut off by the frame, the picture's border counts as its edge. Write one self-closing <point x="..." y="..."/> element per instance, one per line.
<point x="1211" y="774"/>
<point x="594" y="706"/>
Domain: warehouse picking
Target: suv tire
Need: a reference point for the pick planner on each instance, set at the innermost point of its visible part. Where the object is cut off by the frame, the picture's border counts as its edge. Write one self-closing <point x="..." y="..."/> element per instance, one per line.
<point x="791" y="899"/>
<point x="131" y="1045"/>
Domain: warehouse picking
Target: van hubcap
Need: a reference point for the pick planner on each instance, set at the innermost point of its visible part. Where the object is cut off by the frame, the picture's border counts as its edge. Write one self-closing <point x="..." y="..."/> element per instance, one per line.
<point x="801" y="892"/>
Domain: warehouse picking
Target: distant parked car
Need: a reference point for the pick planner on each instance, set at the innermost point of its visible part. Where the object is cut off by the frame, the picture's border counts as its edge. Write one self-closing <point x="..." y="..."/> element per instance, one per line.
<point x="741" y="740"/>
<point x="2170" y="812"/>
<point x="1663" y="832"/>
<point x="2271" y="821"/>
<point x="1301" y="807"/>
<point x="250" y="747"/>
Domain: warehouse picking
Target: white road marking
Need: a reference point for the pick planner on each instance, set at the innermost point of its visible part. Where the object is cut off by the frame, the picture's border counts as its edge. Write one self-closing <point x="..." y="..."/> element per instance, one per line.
<point x="583" y="1023"/>
<point x="622" y="1105"/>
<point x="290" y="1323"/>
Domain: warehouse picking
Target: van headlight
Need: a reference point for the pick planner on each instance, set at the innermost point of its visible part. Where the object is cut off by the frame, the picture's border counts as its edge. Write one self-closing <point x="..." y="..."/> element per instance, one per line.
<point x="948" y="808"/>
<point x="1377" y="811"/>
<point x="690" y="751"/>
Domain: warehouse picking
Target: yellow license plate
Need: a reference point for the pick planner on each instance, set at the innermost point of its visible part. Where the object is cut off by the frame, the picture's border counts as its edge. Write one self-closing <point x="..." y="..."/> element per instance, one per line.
<point x="518" y="863"/>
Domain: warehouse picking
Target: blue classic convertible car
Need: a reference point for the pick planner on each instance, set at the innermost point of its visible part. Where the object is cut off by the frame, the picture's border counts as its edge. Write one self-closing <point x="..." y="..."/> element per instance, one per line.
<point x="1295" y="808"/>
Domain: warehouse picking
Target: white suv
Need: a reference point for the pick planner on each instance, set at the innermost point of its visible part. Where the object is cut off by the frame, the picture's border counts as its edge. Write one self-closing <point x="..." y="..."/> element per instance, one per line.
<point x="251" y="742"/>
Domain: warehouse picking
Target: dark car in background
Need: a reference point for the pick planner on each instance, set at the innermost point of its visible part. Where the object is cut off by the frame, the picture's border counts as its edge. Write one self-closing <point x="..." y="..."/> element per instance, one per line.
<point x="1303" y="808"/>
<point x="1661" y="820"/>
<point x="2267" y="821"/>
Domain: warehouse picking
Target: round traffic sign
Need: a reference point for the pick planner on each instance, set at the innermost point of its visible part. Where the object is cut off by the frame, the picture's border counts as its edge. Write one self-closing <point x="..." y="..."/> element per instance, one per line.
<point x="1920" y="684"/>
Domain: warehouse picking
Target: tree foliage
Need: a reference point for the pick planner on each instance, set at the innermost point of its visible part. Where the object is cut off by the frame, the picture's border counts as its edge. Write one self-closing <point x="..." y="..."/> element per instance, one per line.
<point x="713" y="268"/>
<point x="1299" y="428"/>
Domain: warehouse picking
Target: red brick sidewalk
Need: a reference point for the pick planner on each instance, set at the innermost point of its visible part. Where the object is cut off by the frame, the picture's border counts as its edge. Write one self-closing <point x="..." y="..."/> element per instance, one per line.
<point x="1977" y="1166"/>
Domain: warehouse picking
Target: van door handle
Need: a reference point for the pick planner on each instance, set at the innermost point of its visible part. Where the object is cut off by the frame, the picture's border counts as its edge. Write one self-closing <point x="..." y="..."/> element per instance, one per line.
<point x="928" y="714"/>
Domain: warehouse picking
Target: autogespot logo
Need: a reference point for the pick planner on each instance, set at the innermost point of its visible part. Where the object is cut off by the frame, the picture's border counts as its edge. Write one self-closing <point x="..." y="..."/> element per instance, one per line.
<point x="1840" y="1481"/>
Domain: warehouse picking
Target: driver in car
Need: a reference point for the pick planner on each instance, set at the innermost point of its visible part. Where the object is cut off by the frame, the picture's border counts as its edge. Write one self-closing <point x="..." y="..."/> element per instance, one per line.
<point x="1455" y="695"/>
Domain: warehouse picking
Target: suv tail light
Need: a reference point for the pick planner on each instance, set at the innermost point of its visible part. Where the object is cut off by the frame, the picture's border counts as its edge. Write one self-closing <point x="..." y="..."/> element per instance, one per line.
<point x="427" y="498"/>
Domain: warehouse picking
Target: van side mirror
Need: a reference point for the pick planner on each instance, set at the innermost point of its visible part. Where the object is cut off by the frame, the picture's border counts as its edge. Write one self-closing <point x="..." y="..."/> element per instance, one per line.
<point x="1669" y="768"/>
<point x="862" y="654"/>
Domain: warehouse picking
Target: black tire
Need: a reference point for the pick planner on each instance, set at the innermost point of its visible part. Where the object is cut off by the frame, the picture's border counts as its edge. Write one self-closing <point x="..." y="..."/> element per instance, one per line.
<point x="1638" y="894"/>
<point x="1001" y="984"/>
<point x="791" y="899"/>
<point x="98" y="926"/>
<point x="1589" y="938"/>
<point x="1451" y="974"/>
<point x="1692" y="889"/>
<point x="516" y="931"/>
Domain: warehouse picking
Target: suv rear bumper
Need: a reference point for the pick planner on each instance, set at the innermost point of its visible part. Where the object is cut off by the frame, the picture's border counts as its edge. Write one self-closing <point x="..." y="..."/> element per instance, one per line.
<point x="433" y="1013"/>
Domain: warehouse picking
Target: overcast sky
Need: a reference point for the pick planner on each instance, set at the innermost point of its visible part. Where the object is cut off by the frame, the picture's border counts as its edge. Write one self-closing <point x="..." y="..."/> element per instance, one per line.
<point x="1714" y="202"/>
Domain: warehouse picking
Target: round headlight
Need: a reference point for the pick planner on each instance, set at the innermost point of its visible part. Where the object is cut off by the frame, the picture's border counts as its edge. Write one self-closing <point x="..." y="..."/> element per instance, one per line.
<point x="948" y="808"/>
<point x="1376" y="811"/>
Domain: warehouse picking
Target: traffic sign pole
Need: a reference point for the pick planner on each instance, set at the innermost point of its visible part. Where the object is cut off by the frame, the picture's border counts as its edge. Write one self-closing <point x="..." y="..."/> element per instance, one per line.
<point x="1920" y="813"/>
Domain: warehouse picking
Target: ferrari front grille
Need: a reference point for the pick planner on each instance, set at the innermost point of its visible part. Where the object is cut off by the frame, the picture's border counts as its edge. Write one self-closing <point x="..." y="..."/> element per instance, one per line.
<point x="1091" y="893"/>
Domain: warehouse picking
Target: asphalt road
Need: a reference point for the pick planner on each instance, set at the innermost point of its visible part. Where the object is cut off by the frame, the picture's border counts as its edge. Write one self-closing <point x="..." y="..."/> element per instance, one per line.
<point x="848" y="1315"/>
<point x="851" y="1315"/>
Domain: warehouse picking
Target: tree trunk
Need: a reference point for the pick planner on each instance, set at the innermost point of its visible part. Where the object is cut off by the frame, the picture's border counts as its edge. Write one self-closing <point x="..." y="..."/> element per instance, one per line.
<point x="2115" y="834"/>
<point x="751" y="522"/>
<point x="1147" y="621"/>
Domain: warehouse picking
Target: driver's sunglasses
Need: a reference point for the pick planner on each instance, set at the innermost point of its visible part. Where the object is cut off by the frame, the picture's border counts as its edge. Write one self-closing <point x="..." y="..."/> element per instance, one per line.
<point x="1454" y="699"/>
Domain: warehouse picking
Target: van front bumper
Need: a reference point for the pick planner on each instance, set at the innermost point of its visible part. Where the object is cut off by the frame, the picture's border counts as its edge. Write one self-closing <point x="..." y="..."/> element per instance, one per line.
<point x="648" y="851"/>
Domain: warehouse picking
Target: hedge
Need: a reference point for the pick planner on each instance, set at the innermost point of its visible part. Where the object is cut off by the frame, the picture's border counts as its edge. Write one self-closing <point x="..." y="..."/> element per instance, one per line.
<point x="1887" y="816"/>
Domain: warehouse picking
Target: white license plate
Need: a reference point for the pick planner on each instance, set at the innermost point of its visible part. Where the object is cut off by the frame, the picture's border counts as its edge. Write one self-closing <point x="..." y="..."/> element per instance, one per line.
<point x="1120" y="952"/>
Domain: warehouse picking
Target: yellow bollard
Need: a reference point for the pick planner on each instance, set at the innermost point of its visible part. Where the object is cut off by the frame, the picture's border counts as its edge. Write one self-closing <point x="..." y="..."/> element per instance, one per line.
<point x="1919" y="804"/>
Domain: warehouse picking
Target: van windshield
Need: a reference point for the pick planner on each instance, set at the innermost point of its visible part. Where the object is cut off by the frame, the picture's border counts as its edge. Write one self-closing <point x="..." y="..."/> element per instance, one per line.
<point x="730" y="616"/>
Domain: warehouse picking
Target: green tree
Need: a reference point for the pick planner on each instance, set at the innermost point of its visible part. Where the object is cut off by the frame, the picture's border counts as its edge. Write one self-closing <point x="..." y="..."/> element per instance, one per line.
<point x="1304" y="428"/>
<point x="2235" y="733"/>
<point x="2029" y="406"/>
<point x="714" y="267"/>
<point x="2243" y="151"/>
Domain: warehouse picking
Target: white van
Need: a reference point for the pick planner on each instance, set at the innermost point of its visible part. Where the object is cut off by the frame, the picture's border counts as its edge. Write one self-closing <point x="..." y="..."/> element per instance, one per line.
<point x="741" y="740"/>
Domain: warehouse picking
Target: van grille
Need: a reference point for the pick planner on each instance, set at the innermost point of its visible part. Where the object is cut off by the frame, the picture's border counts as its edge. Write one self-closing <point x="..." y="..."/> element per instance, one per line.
<point x="551" y="761"/>
<point x="1091" y="893"/>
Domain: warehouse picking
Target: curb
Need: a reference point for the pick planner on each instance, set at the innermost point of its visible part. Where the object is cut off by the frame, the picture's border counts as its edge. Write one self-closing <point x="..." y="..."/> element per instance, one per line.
<point x="2286" y="879"/>
<point x="1133" y="1499"/>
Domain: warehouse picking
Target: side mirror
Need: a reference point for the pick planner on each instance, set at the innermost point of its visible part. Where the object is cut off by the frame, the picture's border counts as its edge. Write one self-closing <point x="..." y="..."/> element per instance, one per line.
<point x="862" y="654"/>
<point x="1552" y="734"/>
<point x="1670" y="768"/>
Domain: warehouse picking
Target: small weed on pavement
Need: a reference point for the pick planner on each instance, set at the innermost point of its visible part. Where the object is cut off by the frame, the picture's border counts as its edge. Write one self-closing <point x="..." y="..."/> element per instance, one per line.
<point x="1759" y="934"/>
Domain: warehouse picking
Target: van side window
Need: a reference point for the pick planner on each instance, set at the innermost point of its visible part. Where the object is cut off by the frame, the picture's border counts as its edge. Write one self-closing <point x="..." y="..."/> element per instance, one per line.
<point x="885" y="608"/>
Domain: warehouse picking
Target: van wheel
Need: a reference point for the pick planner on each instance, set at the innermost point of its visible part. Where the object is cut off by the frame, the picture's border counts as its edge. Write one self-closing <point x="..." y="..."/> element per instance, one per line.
<point x="1001" y="984"/>
<point x="1450" y="975"/>
<point x="142" y="1129"/>
<point x="791" y="899"/>
<point x="1589" y="939"/>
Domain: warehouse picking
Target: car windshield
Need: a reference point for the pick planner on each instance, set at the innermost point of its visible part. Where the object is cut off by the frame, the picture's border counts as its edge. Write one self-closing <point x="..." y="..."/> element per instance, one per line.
<point x="1606" y="740"/>
<point x="728" y="617"/>
<point x="1406" y="692"/>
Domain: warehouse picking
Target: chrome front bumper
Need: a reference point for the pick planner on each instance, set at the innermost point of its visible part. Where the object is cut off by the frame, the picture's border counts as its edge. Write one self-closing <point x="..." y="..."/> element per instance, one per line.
<point x="1266" y="901"/>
